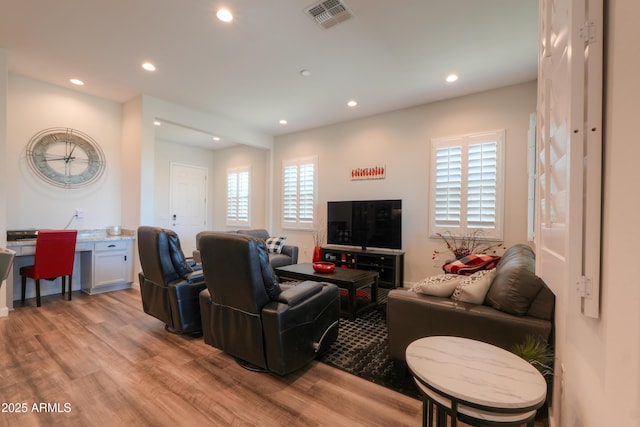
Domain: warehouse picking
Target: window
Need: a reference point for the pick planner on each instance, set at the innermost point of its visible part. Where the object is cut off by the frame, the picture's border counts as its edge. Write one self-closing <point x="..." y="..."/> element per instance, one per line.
<point x="299" y="192"/>
<point x="238" y="206"/>
<point x="467" y="184"/>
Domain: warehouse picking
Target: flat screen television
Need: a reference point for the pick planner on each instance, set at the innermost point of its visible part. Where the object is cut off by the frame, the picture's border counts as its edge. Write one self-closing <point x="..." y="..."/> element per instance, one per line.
<point x="365" y="223"/>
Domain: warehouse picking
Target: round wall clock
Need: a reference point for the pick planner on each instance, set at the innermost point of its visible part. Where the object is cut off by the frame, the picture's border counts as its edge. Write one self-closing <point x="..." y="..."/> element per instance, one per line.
<point x="65" y="157"/>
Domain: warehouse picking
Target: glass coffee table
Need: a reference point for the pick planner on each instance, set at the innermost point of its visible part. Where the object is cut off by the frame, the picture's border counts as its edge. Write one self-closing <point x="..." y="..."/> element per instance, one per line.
<point x="349" y="279"/>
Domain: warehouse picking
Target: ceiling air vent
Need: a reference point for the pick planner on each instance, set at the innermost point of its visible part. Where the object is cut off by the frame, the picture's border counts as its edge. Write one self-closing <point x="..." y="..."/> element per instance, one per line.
<point x="329" y="13"/>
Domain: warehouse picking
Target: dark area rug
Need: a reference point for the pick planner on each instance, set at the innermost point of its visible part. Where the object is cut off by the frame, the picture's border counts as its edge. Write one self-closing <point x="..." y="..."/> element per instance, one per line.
<point x="362" y="349"/>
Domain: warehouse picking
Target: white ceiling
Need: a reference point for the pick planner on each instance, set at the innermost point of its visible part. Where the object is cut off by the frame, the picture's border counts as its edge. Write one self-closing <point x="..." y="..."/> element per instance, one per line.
<point x="392" y="54"/>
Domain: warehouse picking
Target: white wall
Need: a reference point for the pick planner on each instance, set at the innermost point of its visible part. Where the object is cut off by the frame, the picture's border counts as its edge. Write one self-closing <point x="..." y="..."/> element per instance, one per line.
<point x="238" y="156"/>
<point x="32" y="203"/>
<point x="217" y="163"/>
<point x="400" y="140"/>
<point x="602" y="357"/>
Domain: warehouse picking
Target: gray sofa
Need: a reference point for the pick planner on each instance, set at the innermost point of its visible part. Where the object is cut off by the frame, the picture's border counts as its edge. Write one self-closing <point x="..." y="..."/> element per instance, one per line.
<point x="517" y="304"/>
<point x="288" y="256"/>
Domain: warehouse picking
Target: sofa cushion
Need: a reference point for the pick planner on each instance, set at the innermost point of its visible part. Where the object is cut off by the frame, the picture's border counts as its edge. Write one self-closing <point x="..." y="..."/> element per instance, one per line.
<point x="275" y="244"/>
<point x="474" y="288"/>
<point x="513" y="289"/>
<point x="441" y="285"/>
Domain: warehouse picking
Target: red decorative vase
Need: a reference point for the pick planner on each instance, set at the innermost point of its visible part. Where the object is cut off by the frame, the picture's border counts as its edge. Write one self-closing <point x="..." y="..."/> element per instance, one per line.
<point x="317" y="254"/>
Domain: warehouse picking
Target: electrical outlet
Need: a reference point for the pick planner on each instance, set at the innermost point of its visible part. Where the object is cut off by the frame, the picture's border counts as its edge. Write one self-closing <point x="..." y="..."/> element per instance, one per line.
<point x="79" y="213"/>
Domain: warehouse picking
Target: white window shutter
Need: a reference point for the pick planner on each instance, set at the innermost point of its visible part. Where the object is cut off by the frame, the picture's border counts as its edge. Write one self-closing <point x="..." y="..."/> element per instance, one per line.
<point x="466" y="184"/>
<point x="448" y="186"/>
<point x="290" y="194"/>
<point x="481" y="185"/>
<point x="299" y="192"/>
<point x="238" y="196"/>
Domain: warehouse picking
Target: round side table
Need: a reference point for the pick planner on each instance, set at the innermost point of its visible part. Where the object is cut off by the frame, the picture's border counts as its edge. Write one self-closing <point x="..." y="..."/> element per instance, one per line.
<point x="474" y="382"/>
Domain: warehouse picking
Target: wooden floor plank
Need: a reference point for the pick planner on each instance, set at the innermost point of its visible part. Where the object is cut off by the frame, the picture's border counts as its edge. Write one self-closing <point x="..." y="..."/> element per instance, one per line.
<point x="101" y="361"/>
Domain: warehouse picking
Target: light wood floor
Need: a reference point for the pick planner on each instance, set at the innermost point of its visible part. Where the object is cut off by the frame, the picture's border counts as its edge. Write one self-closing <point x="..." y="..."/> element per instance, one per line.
<point x="100" y="361"/>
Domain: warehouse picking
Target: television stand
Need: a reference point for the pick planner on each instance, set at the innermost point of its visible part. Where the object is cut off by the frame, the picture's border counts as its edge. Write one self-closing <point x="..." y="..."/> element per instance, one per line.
<point x="389" y="263"/>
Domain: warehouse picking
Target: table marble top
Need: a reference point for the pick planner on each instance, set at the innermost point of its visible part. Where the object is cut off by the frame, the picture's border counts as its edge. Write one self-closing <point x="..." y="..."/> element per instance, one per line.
<point x="476" y="372"/>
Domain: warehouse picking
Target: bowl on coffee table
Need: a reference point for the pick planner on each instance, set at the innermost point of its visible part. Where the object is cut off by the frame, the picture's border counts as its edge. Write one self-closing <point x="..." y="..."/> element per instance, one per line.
<point x="324" y="267"/>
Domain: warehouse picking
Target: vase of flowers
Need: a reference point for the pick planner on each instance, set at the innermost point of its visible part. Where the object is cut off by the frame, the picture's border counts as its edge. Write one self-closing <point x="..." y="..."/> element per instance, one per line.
<point x="318" y="239"/>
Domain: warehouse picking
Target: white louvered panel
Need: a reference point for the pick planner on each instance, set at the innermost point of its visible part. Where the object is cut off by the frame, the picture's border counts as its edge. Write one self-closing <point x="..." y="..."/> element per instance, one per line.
<point x="482" y="182"/>
<point x="243" y="196"/>
<point x="448" y="197"/>
<point x="232" y="196"/>
<point x="306" y="202"/>
<point x="570" y="149"/>
<point x="290" y="193"/>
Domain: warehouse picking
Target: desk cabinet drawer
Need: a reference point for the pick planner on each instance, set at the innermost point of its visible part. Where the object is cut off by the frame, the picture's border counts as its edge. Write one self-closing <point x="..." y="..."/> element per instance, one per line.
<point x="26" y="250"/>
<point x="111" y="245"/>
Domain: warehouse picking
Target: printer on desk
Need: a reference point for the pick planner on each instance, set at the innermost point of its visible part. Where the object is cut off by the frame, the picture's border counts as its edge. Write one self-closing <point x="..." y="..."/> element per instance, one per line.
<point x="16" y="235"/>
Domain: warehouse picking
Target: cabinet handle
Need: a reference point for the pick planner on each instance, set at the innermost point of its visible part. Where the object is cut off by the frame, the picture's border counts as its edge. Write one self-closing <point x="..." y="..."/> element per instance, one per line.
<point x="111" y="246"/>
<point x="125" y="257"/>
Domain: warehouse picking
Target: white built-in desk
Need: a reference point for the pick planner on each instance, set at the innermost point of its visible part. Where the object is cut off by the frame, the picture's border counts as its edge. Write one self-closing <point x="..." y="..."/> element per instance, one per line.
<point x="475" y="382"/>
<point x="103" y="263"/>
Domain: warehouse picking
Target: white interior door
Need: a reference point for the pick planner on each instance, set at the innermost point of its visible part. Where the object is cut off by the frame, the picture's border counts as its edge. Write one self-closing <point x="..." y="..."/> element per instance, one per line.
<point x="188" y="203"/>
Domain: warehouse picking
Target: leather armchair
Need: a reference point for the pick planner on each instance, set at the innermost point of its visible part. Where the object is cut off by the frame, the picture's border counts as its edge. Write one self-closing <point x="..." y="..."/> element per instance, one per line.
<point x="247" y="314"/>
<point x="168" y="283"/>
<point x="288" y="256"/>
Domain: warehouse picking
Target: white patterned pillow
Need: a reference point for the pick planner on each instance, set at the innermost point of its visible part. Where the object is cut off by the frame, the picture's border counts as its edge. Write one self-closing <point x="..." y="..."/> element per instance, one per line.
<point x="275" y="244"/>
<point x="439" y="286"/>
<point x="474" y="288"/>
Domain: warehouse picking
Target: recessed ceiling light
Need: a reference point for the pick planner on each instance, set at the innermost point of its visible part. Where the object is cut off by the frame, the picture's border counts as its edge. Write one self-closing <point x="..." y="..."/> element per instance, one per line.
<point x="157" y="122"/>
<point x="77" y="82"/>
<point x="216" y="138"/>
<point x="352" y="103"/>
<point x="149" y="66"/>
<point x="451" y="78"/>
<point x="305" y="73"/>
<point x="224" y="15"/>
<point x="283" y="122"/>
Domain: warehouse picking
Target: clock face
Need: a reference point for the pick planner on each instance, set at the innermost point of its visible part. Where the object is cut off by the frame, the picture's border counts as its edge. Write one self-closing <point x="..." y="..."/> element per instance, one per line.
<point x="65" y="157"/>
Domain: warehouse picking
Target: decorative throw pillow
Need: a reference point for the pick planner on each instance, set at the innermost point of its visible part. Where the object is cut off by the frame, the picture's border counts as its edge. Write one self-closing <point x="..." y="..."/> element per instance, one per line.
<point x="275" y="244"/>
<point x="474" y="288"/>
<point x="514" y="289"/>
<point x="441" y="285"/>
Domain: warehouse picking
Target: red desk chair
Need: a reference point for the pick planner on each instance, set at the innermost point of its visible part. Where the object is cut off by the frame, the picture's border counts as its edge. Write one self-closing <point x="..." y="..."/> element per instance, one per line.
<point x="55" y="252"/>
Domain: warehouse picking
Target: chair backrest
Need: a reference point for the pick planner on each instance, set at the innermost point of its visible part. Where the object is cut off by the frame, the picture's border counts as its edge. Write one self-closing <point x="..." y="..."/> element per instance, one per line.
<point x="161" y="256"/>
<point x="233" y="272"/>
<point x="55" y="253"/>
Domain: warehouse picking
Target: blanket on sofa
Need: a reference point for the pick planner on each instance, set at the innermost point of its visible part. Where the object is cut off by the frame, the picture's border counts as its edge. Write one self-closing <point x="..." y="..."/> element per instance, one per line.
<point x="471" y="263"/>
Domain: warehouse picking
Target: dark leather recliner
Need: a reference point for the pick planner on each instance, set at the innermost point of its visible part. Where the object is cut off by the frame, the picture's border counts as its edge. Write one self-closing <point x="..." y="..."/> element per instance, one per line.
<point x="247" y="314"/>
<point x="288" y="256"/>
<point x="169" y="285"/>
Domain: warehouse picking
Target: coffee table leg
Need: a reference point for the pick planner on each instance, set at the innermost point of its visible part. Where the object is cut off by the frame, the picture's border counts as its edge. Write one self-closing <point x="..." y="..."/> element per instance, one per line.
<point x="374" y="292"/>
<point x="351" y="307"/>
